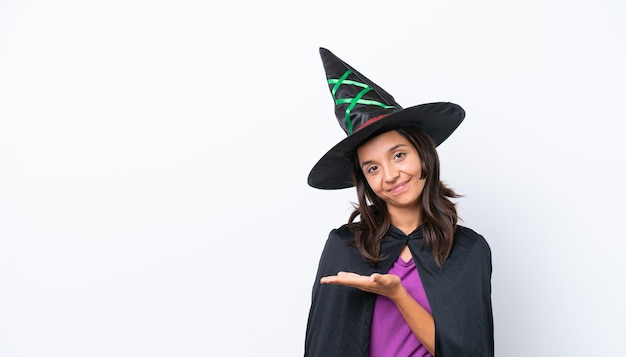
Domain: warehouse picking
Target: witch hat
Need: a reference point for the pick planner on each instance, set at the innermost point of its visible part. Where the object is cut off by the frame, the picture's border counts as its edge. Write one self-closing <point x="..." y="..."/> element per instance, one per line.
<point x="363" y="110"/>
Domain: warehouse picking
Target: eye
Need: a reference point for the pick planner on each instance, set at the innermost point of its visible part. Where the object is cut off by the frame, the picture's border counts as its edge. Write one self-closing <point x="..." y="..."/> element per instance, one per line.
<point x="371" y="169"/>
<point x="399" y="155"/>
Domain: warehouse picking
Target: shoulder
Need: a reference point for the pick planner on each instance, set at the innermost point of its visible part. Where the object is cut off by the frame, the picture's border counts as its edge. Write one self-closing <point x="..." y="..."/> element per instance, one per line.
<point x="338" y="254"/>
<point x="468" y="237"/>
<point x="342" y="232"/>
<point x="339" y="238"/>
<point x="470" y="246"/>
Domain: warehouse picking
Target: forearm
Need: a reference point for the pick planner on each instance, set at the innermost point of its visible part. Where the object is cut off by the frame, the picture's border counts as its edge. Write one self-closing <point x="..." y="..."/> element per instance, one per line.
<point x="419" y="319"/>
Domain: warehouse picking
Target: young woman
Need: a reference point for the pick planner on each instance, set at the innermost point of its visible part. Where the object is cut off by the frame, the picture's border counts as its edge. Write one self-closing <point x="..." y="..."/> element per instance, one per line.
<point x="401" y="278"/>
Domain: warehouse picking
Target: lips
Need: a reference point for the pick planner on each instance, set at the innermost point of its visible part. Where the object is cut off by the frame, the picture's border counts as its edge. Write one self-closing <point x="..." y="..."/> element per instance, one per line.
<point x="398" y="188"/>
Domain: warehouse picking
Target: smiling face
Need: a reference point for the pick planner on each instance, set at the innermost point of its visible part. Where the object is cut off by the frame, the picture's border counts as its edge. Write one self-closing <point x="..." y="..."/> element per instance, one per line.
<point x="393" y="169"/>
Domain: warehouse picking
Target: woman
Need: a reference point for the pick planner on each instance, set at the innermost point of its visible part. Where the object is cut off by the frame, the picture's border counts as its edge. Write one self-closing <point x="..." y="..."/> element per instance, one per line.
<point x="401" y="278"/>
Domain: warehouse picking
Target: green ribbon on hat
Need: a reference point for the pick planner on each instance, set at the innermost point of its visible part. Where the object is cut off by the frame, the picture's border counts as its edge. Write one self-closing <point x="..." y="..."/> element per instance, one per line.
<point x="356" y="100"/>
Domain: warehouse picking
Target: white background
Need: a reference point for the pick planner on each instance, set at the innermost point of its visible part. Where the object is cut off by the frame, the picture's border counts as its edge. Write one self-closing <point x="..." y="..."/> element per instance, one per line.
<point x="154" y="156"/>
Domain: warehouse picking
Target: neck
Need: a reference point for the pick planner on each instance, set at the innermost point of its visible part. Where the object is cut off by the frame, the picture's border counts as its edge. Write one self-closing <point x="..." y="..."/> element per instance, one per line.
<point x="407" y="220"/>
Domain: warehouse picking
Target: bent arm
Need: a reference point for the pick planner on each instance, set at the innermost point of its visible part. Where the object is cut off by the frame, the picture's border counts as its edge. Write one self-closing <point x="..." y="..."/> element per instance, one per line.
<point x="419" y="319"/>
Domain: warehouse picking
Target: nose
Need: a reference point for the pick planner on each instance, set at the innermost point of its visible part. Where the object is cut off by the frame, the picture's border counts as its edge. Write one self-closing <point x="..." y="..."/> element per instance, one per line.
<point x="391" y="173"/>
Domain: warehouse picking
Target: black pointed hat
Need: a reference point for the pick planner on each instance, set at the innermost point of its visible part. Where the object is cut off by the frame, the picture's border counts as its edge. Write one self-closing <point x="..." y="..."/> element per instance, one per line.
<point x="363" y="110"/>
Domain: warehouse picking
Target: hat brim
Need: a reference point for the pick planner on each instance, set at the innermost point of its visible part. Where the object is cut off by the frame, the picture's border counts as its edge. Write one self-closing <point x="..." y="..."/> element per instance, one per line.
<point x="334" y="170"/>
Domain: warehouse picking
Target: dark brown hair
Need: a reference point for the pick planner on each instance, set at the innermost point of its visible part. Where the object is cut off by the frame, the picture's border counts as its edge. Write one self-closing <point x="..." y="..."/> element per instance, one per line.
<point x="438" y="211"/>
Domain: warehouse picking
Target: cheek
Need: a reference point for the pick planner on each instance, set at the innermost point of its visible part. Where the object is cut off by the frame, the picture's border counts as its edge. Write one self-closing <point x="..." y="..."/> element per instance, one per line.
<point x="417" y="170"/>
<point x="373" y="183"/>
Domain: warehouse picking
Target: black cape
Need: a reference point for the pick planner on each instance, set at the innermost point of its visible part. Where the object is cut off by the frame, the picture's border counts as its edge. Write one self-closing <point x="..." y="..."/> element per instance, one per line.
<point x="459" y="294"/>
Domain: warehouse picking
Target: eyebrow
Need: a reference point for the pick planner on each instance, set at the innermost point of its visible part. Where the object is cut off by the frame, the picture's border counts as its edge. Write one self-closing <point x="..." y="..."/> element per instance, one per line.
<point x="391" y="149"/>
